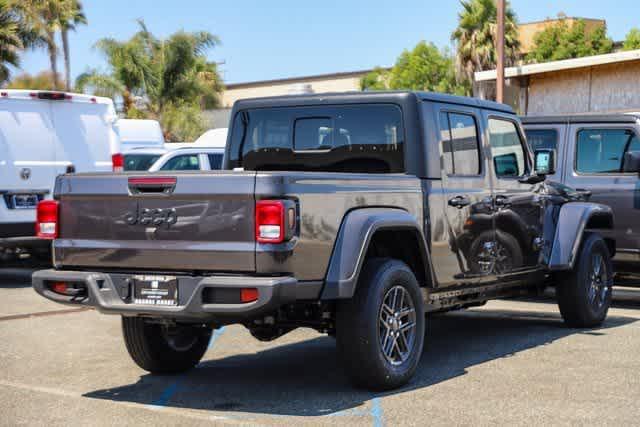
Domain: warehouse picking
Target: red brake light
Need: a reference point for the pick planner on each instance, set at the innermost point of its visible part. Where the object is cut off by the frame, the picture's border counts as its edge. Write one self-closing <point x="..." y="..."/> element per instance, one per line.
<point x="118" y="162"/>
<point x="47" y="219"/>
<point x="269" y="221"/>
<point x="59" y="287"/>
<point x="248" y="295"/>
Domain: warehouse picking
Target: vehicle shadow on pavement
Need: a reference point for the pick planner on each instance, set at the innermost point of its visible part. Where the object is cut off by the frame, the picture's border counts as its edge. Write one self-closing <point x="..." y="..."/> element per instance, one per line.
<point x="306" y="379"/>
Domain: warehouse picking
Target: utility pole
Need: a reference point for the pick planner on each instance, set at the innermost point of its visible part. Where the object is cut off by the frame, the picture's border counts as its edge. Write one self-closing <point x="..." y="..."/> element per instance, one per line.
<point x="500" y="53"/>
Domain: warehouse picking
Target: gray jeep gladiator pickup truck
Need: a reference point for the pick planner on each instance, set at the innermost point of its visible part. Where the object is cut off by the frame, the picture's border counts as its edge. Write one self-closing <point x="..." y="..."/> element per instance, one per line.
<point x="599" y="155"/>
<point x="354" y="214"/>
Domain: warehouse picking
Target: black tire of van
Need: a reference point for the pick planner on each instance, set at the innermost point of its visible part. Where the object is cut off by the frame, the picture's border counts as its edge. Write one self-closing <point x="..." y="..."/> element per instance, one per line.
<point x="584" y="294"/>
<point x="361" y="332"/>
<point x="164" y="350"/>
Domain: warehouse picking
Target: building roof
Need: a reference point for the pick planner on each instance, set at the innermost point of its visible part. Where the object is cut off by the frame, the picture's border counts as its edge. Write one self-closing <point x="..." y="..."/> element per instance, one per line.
<point x="301" y="79"/>
<point x="567" y="64"/>
<point x="372" y="96"/>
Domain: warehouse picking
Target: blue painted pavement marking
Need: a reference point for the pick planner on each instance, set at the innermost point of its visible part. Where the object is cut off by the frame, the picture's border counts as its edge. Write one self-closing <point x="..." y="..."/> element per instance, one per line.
<point x="216" y="334"/>
<point x="376" y="412"/>
<point x="171" y="389"/>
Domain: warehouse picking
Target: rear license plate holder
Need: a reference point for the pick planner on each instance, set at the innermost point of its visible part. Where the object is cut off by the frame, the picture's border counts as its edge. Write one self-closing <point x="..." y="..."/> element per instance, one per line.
<point x="155" y="290"/>
<point x="24" y="201"/>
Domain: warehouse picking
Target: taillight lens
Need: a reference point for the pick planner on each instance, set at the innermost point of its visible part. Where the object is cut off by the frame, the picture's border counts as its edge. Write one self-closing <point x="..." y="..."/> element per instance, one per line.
<point x="47" y="219"/>
<point x="118" y="162"/>
<point x="270" y="221"/>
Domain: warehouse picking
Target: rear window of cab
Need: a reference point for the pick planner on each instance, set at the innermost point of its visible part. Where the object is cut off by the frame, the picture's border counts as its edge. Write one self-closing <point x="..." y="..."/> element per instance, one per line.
<point x="346" y="138"/>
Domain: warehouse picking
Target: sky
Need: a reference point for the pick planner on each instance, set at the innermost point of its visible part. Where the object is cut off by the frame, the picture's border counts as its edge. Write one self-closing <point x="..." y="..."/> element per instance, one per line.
<point x="271" y="39"/>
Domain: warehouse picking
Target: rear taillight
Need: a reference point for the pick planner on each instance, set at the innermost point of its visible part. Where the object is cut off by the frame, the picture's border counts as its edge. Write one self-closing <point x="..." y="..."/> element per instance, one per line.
<point x="47" y="219"/>
<point x="270" y="221"/>
<point x="118" y="162"/>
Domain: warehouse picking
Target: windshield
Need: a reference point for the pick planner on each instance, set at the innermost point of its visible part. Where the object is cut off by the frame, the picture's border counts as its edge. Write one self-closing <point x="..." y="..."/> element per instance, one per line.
<point x="346" y="138"/>
<point x="139" y="162"/>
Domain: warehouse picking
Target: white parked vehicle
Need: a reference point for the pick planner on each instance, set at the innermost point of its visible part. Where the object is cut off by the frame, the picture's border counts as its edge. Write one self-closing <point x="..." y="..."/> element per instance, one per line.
<point x="184" y="159"/>
<point x="44" y="134"/>
<point x="141" y="159"/>
<point x="139" y="133"/>
<point x="213" y="138"/>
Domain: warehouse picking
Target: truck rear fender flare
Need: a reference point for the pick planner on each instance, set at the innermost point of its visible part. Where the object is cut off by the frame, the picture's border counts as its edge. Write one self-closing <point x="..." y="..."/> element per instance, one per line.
<point x="574" y="220"/>
<point x="356" y="233"/>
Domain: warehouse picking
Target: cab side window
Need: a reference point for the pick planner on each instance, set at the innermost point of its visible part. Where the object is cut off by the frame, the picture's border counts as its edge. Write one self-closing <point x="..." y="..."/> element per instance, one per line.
<point x="509" y="160"/>
<point x="187" y="162"/>
<point x="602" y="151"/>
<point x="460" y="146"/>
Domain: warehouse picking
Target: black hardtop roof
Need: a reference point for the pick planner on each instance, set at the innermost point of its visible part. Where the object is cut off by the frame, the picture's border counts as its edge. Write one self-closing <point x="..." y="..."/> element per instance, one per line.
<point x="364" y="97"/>
<point x="582" y="118"/>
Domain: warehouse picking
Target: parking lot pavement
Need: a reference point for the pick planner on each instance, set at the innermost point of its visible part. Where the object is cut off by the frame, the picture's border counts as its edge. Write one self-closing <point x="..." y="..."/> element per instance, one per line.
<point x="511" y="362"/>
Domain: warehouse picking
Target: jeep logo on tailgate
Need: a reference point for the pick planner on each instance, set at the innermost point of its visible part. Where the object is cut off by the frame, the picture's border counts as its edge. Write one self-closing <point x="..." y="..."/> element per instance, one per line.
<point x="156" y="217"/>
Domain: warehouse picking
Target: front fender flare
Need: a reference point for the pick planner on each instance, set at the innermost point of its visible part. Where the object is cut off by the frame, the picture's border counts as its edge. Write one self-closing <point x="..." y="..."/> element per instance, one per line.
<point x="350" y="249"/>
<point x="572" y="222"/>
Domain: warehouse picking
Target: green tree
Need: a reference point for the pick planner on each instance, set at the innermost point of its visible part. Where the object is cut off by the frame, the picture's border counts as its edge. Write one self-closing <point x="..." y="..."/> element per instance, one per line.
<point x="43" y="81"/>
<point x="167" y="79"/>
<point x="71" y="15"/>
<point x="475" y="37"/>
<point x="422" y="68"/>
<point x="632" y="40"/>
<point x="564" y="41"/>
<point x="42" y="18"/>
<point x="11" y="42"/>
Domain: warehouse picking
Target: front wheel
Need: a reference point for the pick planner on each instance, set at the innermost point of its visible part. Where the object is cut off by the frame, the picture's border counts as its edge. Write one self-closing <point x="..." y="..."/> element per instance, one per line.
<point x="584" y="294"/>
<point x="380" y="331"/>
<point x="159" y="348"/>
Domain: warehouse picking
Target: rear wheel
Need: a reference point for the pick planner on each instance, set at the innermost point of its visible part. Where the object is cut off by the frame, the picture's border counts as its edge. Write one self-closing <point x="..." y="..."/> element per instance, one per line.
<point x="584" y="295"/>
<point x="380" y="331"/>
<point x="160" y="348"/>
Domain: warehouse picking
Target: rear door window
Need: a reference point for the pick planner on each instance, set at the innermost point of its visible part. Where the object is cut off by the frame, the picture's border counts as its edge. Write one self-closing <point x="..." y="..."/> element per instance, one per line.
<point x="348" y="138"/>
<point x="215" y="161"/>
<point x="460" y="144"/>
<point x="601" y="151"/>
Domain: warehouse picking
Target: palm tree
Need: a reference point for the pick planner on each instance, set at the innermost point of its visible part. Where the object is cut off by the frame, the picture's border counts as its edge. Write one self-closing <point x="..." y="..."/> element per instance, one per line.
<point x="71" y="15"/>
<point x="475" y="37"/>
<point x="42" y="18"/>
<point x="11" y="42"/>
<point x="171" y="79"/>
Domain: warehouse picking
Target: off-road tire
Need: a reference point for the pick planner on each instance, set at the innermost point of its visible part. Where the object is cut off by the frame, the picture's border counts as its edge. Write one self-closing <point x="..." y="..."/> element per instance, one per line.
<point x="149" y="346"/>
<point x="573" y="288"/>
<point x="358" y="327"/>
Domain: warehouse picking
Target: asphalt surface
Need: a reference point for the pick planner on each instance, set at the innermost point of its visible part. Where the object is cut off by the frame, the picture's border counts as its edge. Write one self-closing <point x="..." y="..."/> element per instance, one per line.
<point x="510" y="362"/>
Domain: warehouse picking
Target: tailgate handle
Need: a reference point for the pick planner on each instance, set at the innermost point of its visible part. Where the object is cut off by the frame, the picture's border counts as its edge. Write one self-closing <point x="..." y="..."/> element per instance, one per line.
<point x="152" y="184"/>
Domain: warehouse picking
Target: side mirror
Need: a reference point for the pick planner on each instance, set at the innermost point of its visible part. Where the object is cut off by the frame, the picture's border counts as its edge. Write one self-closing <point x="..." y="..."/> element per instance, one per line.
<point x="631" y="162"/>
<point x="545" y="161"/>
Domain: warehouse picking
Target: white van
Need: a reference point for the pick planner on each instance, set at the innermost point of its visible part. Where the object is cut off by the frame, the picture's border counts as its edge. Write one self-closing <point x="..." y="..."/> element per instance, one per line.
<point x="139" y="133"/>
<point x="44" y="134"/>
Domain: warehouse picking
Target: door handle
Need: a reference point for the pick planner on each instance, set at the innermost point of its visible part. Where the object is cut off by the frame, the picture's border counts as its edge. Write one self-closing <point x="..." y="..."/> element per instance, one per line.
<point x="584" y="192"/>
<point x="459" y="202"/>
<point x="502" y="201"/>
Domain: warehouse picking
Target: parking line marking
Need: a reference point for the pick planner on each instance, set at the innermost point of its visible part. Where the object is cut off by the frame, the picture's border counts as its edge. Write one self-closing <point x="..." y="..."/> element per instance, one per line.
<point x="44" y="313"/>
<point x="216" y="334"/>
<point x="376" y="412"/>
<point x="171" y="389"/>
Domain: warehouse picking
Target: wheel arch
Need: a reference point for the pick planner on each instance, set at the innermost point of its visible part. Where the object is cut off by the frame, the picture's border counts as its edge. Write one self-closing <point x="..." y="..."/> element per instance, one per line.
<point x="574" y="221"/>
<point x="363" y="233"/>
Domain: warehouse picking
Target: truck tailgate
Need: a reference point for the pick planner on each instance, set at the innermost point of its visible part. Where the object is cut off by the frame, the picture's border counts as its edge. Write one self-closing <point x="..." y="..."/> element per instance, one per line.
<point x="174" y="221"/>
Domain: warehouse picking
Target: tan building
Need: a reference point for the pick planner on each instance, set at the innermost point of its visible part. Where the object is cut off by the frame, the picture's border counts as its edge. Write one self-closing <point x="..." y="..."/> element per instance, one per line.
<point x="601" y="83"/>
<point x="322" y="83"/>
<point x="527" y="31"/>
